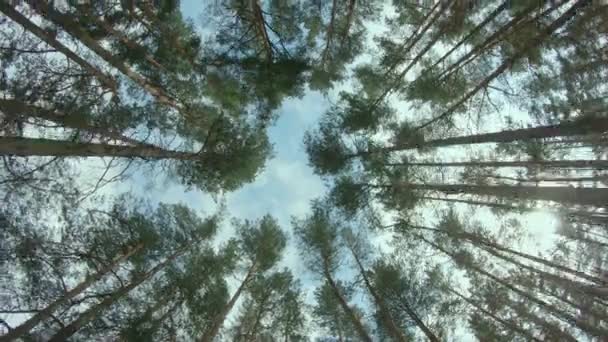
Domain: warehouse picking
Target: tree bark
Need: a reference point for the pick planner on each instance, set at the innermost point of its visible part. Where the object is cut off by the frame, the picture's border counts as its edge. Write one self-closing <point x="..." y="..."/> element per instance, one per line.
<point x="407" y="45"/>
<point x="64" y="333"/>
<point x="74" y="29"/>
<point x="218" y="321"/>
<point x="128" y="42"/>
<point x="350" y="15"/>
<point x="595" y="164"/>
<point x="491" y="41"/>
<point x="474" y="31"/>
<point x="506" y="324"/>
<point x="19" y="110"/>
<point x="558" y="211"/>
<point x="330" y="32"/>
<point x="347" y="309"/>
<point x="548" y="179"/>
<point x="45" y="313"/>
<point x="384" y="312"/>
<point x="481" y="242"/>
<point x="591" y="125"/>
<point x="105" y="80"/>
<point x="260" y="23"/>
<point x="404" y="51"/>
<point x="584" y="196"/>
<point x="565" y="316"/>
<point x="559" y="22"/>
<point x="543" y="323"/>
<point x="26" y="147"/>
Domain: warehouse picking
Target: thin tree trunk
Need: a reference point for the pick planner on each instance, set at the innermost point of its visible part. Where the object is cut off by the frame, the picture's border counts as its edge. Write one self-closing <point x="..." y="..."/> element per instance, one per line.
<point x="218" y="321"/>
<point x="500" y="206"/>
<point x="473" y="32"/>
<point x="480" y="241"/>
<point x="330" y="32"/>
<point x="73" y="28"/>
<point x="260" y="23"/>
<point x="595" y="164"/>
<point x="509" y="325"/>
<point x="107" y="81"/>
<point x="533" y="43"/>
<point x="565" y="129"/>
<point x="405" y="49"/>
<point x="407" y="45"/>
<point x="567" y="317"/>
<point x="491" y="41"/>
<point x="394" y="330"/>
<point x="45" y="313"/>
<point x="19" y="110"/>
<point x="148" y="11"/>
<point x="90" y="314"/>
<point x="578" y="127"/>
<point x="397" y="79"/>
<point x="543" y="323"/>
<point x="587" y="240"/>
<point x="258" y="317"/>
<point x="26" y="147"/>
<point x="584" y="196"/>
<point x="128" y="42"/>
<point x="347" y="309"/>
<point x="350" y="15"/>
<point x="548" y="179"/>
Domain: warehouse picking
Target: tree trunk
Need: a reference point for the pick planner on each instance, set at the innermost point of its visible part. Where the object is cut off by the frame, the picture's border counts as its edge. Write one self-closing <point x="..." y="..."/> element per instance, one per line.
<point x="584" y="196"/>
<point x="473" y="32"/>
<point x="533" y="43"/>
<point x="558" y="211"/>
<point x="128" y="42"/>
<point x="19" y="111"/>
<point x="258" y="317"/>
<point x="489" y="42"/>
<point x="595" y="164"/>
<point x="409" y="43"/>
<point x="565" y="316"/>
<point x="218" y="321"/>
<point x="347" y="309"/>
<point x="509" y="325"/>
<point x="64" y="333"/>
<point x="587" y="240"/>
<point x="476" y="239"/>
<point x="260" y="23"/>
<point x="548" y="179"/>
<point x="350" y="15"/>
<point x="404" y="51"/>
<point x="73" y="28"/>
<point x="384" y="312"/>
<point x="584" y="126"/>
<point x="565" y="129"/>
<point x="556" y="331"/>
<point x="25" y="147"/>
<point x="107" y="81"/>
<point x="45" y="313"/>
<point x="330" y="32"/>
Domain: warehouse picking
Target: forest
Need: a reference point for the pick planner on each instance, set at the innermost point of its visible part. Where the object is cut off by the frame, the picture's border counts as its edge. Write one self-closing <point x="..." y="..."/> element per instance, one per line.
<point x="304" y="170"/>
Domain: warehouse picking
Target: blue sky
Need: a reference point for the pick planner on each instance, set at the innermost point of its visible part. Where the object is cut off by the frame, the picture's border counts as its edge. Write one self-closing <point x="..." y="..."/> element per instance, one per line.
<point x="287" y="184"/>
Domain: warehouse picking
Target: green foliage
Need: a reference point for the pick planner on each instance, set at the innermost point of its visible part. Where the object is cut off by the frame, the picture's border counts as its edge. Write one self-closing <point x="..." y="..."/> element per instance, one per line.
<point x="357" y="115"/>
<point x="319" y="234"/>
<point x="348" y="196"/>
<point x="273" y="307"/>
<point x="214" y="170"/>
<point x="329" y="314"/>
<point x="261" y="242"/>
<point x="327" y="153"/>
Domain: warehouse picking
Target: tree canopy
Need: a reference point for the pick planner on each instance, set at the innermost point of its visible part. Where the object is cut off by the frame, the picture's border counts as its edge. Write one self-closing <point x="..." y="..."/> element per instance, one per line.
<point x="462" y="145"/>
